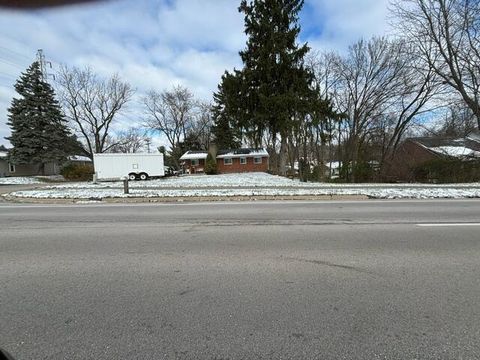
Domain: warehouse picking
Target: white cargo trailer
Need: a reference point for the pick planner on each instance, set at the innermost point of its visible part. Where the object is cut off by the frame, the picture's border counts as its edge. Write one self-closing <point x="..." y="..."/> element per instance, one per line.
<point x="133" y="166"/>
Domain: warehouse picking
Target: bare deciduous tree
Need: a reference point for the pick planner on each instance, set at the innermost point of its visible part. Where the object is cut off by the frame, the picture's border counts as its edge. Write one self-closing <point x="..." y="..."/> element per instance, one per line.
<point x="419" y="86"/>
<point x="369" y="80"/>
<point x="202" y="125"/>
<point x="446" y="34"/>
<point x="92" y="104"/>
<point x="381" y="89"/>
<point x="132" y="140"/>
<point x="459" y="121"/>
<point x="170" y="113"/>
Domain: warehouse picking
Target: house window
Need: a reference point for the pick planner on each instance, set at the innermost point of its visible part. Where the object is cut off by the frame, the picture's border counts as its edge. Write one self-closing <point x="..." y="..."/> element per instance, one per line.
<point x="11" y="168"/>
<point x="228" y="161"/>
<point x="243" y="160"/>
<point x="195" y="162"/>
<point x="257" y="160"/>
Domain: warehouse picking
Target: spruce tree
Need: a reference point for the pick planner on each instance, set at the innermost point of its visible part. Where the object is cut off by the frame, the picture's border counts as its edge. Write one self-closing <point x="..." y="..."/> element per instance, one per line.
<point x="279" y="84"/>
<point x="39" y="132"/>
<point x="210" y="165"/>
<point x="274" y="88"/>
<point x="226" y="129"/>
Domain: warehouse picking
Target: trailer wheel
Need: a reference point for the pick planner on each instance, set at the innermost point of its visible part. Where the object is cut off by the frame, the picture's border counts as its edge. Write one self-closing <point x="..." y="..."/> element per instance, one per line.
<point x="132" y="176"/>
<point x="143" y="176"/>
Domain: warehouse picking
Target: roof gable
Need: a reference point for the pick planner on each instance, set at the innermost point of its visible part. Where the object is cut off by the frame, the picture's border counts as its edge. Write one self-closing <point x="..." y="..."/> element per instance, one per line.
<point x="194" y="155"/>
<point x="460" y="148"/>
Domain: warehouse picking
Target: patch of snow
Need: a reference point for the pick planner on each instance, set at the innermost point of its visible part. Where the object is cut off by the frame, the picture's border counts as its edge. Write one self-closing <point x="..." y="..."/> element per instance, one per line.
<point x="334" y="165"/>
<point x="392" y="193"/>
<point x="194" y="156"/>
<point x="252" y="153"/>
<point x="19" y="180"/>
<point x="246" y="184"/>
<point x="455" y="151"/>
<point x="79" y="158"/>
<point x="242" y="180"/>
<point x="3" y="154"/>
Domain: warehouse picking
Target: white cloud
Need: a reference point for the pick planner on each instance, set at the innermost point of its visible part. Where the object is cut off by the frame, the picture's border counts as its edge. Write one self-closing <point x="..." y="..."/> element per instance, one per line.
<point x="158" y="44"/>
<point x="342" y="22"/>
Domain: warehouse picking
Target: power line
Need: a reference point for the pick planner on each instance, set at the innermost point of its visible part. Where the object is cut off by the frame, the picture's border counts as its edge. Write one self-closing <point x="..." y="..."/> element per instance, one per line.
<point x="11" y="63"/>
<point x="5" y="75"/>
<point x="15" y="53"/>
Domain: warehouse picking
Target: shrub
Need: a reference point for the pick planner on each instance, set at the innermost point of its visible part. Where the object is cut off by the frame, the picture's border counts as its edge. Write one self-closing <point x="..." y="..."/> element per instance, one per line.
<point x="363" y="172"/>
<point x="447" y="170"/>
<point x="304" y="170"/>
<point x="210" y="165"/>
<point x="77" y="172"/>
<point x="317" y="173"/>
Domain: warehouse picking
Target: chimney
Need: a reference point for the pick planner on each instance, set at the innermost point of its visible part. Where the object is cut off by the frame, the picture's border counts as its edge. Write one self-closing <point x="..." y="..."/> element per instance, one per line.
<point x="212" y="149"/>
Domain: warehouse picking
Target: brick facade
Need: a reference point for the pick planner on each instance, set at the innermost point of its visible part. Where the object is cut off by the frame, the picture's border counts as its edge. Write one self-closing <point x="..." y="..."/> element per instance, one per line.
<point x="199" y="166"/>
<point x="409" y="155"/>
<point x="228" y="161"/>
<point x="237" y="167"/>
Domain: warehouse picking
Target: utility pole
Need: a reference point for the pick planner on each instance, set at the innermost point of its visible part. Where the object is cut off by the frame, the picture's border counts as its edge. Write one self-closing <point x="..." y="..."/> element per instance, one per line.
<point x="148" y="141"/>
<point x="43" y="65"/>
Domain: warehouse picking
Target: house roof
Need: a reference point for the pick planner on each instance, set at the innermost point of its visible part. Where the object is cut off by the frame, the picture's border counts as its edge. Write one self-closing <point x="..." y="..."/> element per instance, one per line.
<point x="333" y="165"/>
<point x="246" y="152"/>
<point x="231" y="153"/>
<point x="467" y="147"/>
<point x="79" y="158"/>
<point x="194" y="155"/>
<point x="455" y="151"/>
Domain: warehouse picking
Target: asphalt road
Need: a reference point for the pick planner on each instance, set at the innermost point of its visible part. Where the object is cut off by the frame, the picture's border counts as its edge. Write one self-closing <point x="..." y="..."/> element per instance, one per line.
<point x="259" y="280"/>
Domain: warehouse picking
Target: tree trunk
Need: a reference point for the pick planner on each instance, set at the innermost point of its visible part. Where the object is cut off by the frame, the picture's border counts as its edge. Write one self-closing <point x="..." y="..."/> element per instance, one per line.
<point x="321" y="161"/>
<point x="282" y="156"/>
<point x="41" y="169"/>
<point x="273" y="156"/>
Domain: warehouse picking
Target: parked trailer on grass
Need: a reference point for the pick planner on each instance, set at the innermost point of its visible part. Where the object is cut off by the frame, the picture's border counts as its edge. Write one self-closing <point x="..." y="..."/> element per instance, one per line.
<point x="133" y="166"/>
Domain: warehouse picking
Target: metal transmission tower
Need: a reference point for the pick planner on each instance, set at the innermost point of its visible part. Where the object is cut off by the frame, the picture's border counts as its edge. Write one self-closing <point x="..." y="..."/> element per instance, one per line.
<point x="43" y="65"/>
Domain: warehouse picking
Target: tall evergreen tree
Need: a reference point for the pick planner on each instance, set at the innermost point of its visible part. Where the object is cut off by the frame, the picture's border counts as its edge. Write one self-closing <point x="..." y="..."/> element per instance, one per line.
<point x="39" y="132"/>
<point x="274" y="87"/>
<point x="226" y="128"/>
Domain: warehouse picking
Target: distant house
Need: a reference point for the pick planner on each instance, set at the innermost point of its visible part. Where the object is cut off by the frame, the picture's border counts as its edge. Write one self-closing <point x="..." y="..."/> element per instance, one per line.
<point x="228" y="161"/>
<point x="333" y="169"/>
<point x="194" y="161"/>
<point x="80" y="160"/>
<point x="9" y="169"/>
<point x="51" y="168"/>
<point x="414" y="152"/>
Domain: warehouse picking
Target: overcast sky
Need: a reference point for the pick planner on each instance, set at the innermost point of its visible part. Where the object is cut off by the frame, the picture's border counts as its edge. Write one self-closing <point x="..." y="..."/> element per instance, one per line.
<point x="161" y="43"/>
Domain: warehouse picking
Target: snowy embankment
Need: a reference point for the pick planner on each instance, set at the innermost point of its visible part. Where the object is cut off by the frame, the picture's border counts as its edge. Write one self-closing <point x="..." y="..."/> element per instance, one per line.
<point x="406" y="193"/>
<point x="19" y="180"/>
<point x="251" y="184"/>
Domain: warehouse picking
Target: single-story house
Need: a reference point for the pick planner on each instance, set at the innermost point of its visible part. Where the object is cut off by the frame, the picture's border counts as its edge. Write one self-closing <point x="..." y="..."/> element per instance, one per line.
<point x="331" y="169"/>
<point x="334" y="169"/>
<point x="414" y="152"/>
<point x="228" y="161"/>
<point x="9" y="169"/>
<point x="80" y="160"/>
<point x="51" y="168"/>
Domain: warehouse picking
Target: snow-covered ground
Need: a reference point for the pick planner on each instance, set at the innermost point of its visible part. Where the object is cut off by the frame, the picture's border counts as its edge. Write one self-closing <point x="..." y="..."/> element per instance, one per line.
<point x="392" y="193"/>
<point x="246" y="180"/>
<point x="19" y="180"/>
<point x="249" y="184"/>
